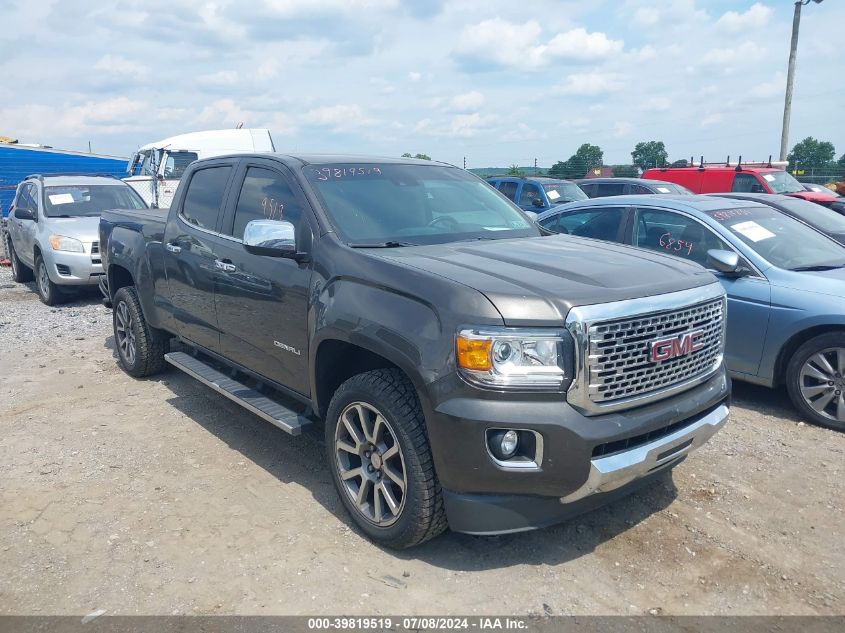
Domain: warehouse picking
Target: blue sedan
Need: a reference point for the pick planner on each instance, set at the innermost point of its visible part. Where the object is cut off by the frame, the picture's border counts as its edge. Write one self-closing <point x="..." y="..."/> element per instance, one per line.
<point x="785" y="283"/>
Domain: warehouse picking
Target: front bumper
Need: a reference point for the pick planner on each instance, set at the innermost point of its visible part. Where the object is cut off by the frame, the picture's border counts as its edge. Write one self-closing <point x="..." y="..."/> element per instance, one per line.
<point x="73" y="269"/>
<point x="587" y="460"/>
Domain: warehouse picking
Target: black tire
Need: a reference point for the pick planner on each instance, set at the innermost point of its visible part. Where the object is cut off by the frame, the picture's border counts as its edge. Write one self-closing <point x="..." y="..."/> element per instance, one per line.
<point x="816" y="382"/>
<point x="420" y="516"/>
<point x="140" y="348"/>
<point x="49" y="293"/>
<point x="20" y="272"/>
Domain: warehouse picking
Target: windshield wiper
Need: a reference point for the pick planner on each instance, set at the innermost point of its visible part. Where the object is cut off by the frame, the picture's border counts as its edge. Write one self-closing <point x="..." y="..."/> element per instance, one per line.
<point x="817" y="268"/>
<point x="388" y="244"/>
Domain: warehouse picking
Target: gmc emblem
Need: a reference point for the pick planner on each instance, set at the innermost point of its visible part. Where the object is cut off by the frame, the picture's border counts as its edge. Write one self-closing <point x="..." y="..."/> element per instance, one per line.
<point x="668" y="348"/>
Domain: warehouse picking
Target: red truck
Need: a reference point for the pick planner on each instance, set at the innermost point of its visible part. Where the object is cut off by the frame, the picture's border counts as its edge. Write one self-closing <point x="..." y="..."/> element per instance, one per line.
<point x="748" y="178"/>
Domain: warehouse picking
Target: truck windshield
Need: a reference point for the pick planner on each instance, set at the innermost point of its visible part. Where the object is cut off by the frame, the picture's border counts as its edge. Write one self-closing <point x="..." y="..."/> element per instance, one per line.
<point x="75" y="201"/>
<point x="560" y="192"/>
<point x="378" y="204"/>
<point x="781" y="240"/>
<point x="781" y="182"/>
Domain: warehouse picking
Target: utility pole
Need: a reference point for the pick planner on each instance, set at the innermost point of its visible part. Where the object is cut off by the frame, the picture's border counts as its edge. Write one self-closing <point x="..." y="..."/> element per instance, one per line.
<point x="535" y="166"/>
<point x="465" y="162"/>
<point x="790" y="77"/>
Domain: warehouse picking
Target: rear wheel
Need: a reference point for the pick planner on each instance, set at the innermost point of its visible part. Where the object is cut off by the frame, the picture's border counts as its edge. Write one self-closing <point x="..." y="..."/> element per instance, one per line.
<point x="381" y="461"/>
<point x="20" y="273"/>
<point x="140" y="348"/>
<point x="815" y="379"/>
<point x="48" y="292"/>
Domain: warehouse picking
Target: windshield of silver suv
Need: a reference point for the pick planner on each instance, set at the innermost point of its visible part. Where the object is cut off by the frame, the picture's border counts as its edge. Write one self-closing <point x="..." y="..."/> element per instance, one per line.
<point x="75" y="201"/>
<point x="781" y="240"/>
<point x="560" y="192"/>
<point x="398" y="204"/>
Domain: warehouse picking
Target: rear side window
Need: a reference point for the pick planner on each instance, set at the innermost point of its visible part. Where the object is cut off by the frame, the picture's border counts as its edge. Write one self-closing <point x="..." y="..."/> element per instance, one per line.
<point x="508" y="188"/>
<point x="265" y="195"/>
<point x="610" y="189"/>
<point x="204" y="197"/>
<point x="589" y="189"/>
<point x="599" y="225"/>
<point x="639" y="189"/>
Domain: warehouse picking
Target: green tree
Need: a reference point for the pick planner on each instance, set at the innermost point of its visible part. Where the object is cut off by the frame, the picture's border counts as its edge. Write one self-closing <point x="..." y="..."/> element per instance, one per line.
<point x="649" y="154"/>
<point x="514" y="170"/>
<point x="625" y="171"/>
<point x="420" y="156"/>
<point x="585" y="158"/>
<point x="811" y="153"/>
<point x="841" y="161"/>
<point x="680" y="163"/>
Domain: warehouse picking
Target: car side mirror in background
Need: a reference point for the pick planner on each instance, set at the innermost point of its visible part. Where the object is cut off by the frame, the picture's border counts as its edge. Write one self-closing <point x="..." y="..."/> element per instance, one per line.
<point x="726" y="262"/>
<point x="24" y="214"/>
<point x="272" y="238"/>
<point x="537" y="202"/>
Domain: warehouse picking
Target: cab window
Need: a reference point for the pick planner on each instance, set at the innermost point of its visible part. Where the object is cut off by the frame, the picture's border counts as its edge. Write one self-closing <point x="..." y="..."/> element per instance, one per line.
<point x="204" y="197"/>
<point x="265" y="195"/>
<point x="675" y="234"/>
<point x="529" y="194"/>
<point x="747" y="183"/>
<point x="508" y="188"/>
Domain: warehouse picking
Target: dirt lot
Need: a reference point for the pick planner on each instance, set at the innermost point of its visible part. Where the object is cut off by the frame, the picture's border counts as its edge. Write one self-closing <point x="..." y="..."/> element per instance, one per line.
<point x="160" y="496"/>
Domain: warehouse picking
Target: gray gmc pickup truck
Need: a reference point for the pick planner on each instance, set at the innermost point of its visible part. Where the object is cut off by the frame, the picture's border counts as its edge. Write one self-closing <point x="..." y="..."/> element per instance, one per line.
<point x="470" y="371"/>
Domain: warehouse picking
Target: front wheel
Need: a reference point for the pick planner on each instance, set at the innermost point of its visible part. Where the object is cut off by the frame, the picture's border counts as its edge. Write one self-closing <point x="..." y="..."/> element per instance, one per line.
<point x="815" y="379"/>
<point x="140" y="348"/>
<point x="380" y="459"/>
<point x="48" y="292"/>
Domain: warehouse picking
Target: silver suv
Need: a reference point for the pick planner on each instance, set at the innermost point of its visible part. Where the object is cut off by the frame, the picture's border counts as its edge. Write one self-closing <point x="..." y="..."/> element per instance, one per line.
<point x="52" y="230"/>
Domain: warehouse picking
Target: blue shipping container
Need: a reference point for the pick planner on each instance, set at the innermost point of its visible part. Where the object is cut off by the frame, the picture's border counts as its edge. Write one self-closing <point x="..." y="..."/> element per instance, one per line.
<point x="17" y="162"/>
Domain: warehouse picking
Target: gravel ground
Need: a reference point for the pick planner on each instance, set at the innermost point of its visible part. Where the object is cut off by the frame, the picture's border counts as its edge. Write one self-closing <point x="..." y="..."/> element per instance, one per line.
<point x="159" y="496"/>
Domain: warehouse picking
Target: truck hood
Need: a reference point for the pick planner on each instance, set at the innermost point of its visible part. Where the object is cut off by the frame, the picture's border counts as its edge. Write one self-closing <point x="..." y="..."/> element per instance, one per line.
<point x="536" y="281"/>
<point x="83" y="229"/>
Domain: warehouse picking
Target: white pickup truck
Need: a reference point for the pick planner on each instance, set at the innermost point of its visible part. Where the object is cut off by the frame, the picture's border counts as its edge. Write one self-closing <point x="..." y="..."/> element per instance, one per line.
<point x="156" y="168"/>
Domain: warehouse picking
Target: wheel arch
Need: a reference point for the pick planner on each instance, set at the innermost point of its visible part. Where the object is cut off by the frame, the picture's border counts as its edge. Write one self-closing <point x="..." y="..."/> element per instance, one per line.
<point x="796" y="341"/>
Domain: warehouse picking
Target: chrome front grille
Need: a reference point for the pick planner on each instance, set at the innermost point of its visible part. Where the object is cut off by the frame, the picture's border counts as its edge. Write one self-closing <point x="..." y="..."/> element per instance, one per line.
<point x="619" y="365"/>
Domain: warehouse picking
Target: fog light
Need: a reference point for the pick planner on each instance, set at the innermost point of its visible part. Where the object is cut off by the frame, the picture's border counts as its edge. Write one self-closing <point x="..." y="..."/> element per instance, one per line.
<point x="509" y="443"/>
<point x="503" y="444"/>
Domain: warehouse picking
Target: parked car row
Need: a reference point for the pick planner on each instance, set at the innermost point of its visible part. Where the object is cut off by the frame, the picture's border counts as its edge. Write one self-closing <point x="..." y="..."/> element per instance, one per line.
<point x="471" y="368"/>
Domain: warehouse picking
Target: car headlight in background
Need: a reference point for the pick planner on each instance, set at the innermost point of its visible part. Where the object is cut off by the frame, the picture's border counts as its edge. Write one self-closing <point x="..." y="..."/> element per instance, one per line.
<point x="515" y="358"/>
<point x="69" y="244"/>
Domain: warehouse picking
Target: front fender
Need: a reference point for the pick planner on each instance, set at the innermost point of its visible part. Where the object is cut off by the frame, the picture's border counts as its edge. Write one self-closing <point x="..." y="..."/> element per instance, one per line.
<point x="783" y="330"/>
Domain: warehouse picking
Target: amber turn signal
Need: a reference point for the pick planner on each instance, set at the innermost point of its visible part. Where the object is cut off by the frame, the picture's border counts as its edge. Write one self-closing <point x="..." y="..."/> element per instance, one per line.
<point x="474" y="354"/>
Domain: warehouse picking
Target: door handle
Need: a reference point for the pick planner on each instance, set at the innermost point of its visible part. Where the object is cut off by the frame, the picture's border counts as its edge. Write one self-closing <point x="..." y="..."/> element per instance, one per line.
<point x="173" y="248"/>
<point x="226" y="267"/>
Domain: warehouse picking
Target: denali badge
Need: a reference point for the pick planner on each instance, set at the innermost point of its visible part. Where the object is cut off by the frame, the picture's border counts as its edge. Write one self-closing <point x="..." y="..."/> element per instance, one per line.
<point x="287" y="348"/>
<point x="667" y="348"/>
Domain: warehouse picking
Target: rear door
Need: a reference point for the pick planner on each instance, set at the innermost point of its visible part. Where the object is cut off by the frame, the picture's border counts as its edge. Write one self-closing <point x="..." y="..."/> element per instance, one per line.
<point x="749" y="296"/>
<point x="262" y="302"/>
<point x="191" y="242"/>
<point x="26" y="230"/>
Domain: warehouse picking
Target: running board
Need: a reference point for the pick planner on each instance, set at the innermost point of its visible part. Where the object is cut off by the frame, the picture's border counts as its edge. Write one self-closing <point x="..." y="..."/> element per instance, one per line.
<point x="275" y="413"/>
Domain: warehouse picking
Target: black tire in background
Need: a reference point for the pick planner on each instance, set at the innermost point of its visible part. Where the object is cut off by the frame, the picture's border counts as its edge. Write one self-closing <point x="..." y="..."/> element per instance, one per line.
<point x="20" y="272"/>
<point x="398" y="452"/>
<point x="815" y="380"/>
<point x="48" y="292"/>
<point x="140" y="348"/>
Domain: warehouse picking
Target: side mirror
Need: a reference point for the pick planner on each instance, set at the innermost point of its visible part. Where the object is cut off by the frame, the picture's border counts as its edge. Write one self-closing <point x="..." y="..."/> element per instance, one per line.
<point x="726" y="262"/>
<point x="537" y="202"/>
<point x="272" y="238"/>
<point x="24" y="214"/>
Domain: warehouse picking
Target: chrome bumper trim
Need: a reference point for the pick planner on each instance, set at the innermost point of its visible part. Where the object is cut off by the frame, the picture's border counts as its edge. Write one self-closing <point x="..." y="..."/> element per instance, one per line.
<point x="614" y="471"/>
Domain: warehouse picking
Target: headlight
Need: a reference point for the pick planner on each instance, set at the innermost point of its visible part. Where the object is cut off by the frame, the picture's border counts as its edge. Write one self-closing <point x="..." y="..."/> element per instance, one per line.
<point x="515" y="358"/>
<point x="69" y="244"/>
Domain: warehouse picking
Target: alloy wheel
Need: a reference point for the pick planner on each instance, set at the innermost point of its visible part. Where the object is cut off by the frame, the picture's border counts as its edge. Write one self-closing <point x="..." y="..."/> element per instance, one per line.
<point x="124" y="332"/>
<point x="370" y="463"/>
<point x="822" y="383"/>
<point x="43" y="279"/>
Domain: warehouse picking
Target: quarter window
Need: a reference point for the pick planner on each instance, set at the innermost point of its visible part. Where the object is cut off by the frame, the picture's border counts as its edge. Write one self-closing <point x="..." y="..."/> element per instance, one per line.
<point x="265" y="195"/>
<point x="675" y="234"/>
<point x="599" y="225"/>
<point x="205" y="197"/>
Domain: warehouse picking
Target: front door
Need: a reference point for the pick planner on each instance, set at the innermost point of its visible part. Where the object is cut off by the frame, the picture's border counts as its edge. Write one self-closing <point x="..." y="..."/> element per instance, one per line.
<point x="749" y="297"/>
<point x="262" y="302"/>
<point x="190" y="241"/>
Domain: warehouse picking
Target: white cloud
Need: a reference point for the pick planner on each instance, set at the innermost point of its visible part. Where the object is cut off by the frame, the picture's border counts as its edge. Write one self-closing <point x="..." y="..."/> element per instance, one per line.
<point x="757" y="16"/>
<point x="340" y="116"/>
<point x="118" y="65"/>
<point x="590" y="84"/>
<point x="675" y="13"/>
<point x="468" y="101"/>
<point x="466" y="125"/>
<point x="220" y="78"/>
<point x="769" y="89"/>
<point x="646" y="16"/>
<point x="657" y="104"/>
<point x="733" y="56"/>
<point x="622" y="128"/>
<point x="414" y="76"/>
<point x="712" y="119"/>
<point x="298" y="9"/>
<point x="519" y="45"/>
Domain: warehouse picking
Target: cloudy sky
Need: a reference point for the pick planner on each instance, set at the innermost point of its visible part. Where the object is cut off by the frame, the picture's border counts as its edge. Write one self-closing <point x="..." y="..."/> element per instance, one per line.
<point x="495" y="82"/>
